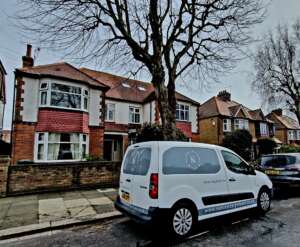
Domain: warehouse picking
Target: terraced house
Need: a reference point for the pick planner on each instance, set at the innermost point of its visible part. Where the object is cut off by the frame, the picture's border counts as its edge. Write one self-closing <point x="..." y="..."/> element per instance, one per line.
<point x="129" y="104"/>
<point x="287" y="128"/>
<point x="220" y="115"/>
<point x="62" y="113"/>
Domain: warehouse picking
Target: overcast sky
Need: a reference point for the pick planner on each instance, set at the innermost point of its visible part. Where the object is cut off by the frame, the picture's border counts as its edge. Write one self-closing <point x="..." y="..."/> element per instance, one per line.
<point x="12" y="47"/>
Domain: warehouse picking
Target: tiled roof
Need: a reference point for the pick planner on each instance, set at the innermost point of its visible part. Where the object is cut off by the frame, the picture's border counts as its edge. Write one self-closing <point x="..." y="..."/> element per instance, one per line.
<point x="122" y="88"/>
<point x="63" y="71"/>
<point x="217" y="106"/>
<point x="288" y="122"/>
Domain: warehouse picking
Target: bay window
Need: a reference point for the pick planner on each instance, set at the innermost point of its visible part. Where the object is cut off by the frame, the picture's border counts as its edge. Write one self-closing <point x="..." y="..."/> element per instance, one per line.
<point x="263" y="129"/>
<point x="241" y="124"/>
<point x="110" y="112"/>
<point x="61" y="146"/>
<point x="182" y="112"/>
<point x="134" y="114"/>
<point x="63" y="96"/>
<point x="226" y="125"/>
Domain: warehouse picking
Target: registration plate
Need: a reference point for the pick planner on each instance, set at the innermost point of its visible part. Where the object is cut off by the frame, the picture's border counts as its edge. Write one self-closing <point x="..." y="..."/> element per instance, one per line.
<point x="272" y="172"/>
<point x="126" y="196"/>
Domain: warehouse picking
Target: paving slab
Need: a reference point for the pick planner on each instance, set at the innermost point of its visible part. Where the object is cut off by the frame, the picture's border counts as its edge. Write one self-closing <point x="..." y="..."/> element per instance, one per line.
<point x="76" y="203"/>
<point x="100" y="201"/>
<point x="81" y="211"/>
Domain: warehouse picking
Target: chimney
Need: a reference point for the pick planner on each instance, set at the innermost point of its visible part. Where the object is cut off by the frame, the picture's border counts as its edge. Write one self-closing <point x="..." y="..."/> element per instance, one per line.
<point x="224" y="95"/>
<point x="28" y="60"/>
<point x="278" y="112"/>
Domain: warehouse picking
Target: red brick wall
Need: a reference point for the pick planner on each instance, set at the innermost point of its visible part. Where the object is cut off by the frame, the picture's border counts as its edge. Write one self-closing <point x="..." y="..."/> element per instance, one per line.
<point x="23" y="142"/>
<point x="96" y="141"/>
<point x="53" y="120"/>
<point x="185" y="127"/>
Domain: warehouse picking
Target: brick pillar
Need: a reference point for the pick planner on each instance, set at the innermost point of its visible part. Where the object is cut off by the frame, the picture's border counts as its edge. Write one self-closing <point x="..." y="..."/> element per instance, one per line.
<point x="125" y="144"/>
<point x="4" y="163"/>
<point x="96" y="141"/>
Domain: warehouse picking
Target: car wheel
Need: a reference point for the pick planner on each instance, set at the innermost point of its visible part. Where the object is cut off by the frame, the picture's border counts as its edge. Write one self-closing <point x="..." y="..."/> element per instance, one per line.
<point x="264" y="201"/>
<point x="182" y="220"/>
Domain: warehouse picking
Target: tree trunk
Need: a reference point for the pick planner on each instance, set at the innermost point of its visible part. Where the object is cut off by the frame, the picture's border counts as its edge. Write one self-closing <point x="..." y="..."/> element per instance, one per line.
<point x="297" y="111"/>
<point x="166" y="110"/>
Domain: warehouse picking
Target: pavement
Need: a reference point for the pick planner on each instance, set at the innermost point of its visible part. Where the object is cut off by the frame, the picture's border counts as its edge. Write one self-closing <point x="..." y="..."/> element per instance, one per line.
<point x="279" y="228"/>
<point x="20" y="215"/>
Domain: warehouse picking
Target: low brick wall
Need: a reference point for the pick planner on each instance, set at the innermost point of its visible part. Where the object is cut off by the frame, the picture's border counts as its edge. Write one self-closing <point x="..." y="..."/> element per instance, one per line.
<point x="29" y="178"/>
<point x="4" y="164"/>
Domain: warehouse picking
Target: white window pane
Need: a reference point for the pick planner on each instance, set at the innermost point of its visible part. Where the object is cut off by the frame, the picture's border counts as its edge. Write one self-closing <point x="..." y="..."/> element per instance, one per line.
<point x="54" y="137"/>
<point x="43" y="97"/>
<point x="53" y="151"/>
<point x="40" y="152"/>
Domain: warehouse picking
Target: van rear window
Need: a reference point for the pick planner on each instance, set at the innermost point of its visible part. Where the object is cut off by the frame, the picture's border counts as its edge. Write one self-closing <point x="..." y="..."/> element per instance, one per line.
<point x="190" y="160"/>
<point x="137" y="161"/>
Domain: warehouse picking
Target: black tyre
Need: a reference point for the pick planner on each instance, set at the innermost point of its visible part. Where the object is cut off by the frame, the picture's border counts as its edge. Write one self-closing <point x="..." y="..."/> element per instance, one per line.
<point x="182" y="220"/>
<point x="264" y="201"/>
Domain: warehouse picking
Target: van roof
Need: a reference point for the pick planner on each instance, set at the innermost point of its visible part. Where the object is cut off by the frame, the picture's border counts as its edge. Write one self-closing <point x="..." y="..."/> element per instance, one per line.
<point x="177" y="143"/>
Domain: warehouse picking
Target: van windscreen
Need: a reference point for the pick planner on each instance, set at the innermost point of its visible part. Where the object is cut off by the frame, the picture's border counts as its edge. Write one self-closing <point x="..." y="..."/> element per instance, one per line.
<point x="137" y="161"/>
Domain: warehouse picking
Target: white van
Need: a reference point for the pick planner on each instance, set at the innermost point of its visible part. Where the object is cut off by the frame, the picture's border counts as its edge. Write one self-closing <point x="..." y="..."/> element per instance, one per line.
<point x="183" y="182"/>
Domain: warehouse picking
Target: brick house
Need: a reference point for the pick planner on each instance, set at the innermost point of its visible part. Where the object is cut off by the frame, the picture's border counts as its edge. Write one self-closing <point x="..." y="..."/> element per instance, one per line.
<point x="220" y="115"/>
<point x="58" y="113"/>
<point x="2" y="96"/>
<point x="287" y="128"/>
<point x="129" y="104"/>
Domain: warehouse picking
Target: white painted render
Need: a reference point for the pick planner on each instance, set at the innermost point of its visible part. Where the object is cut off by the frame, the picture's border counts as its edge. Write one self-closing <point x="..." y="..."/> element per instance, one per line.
<point x="193" y="118"/>
<point x="95" y="107"/>
<point x="30" y="99"/>
<point x="122" y="111"/>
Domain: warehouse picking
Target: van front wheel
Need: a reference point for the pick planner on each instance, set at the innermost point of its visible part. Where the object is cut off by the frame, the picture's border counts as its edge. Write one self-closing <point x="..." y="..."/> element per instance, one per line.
<point x="264" y="201"/>
<point x="182" y="220"/>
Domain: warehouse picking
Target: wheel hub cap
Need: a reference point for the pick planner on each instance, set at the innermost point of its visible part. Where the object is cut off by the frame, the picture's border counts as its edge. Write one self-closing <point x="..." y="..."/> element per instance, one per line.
<point x="182" y="221"/>
<point x="264" y="201"/>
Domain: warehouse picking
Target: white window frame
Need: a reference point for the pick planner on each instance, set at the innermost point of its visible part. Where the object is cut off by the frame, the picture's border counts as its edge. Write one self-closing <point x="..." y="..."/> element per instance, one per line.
<point x="84" y="96"/>
<point x="227" y="125"/>
<point x="46" y="142"/>
<point x="240" y="124"/>
<point x="133" y="112"/>
<point x="186" y="112"/>
<point x="298" y="135"/>
<point x="110" y="107"/>
<point x="263" y="129"/>
<point x="291" y="135"/>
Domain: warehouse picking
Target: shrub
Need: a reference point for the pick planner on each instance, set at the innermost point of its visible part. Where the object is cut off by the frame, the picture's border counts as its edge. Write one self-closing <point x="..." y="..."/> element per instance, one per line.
<point x="266" y="146"/>
<point x="289" y="149"/>
<point x="240" y="141"/>
<point x="154" y="132"/>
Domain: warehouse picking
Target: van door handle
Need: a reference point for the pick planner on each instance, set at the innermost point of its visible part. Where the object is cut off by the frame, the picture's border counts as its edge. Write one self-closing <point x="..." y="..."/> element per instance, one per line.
<point x="128" y="180"/>
<point x="232" y="180"/>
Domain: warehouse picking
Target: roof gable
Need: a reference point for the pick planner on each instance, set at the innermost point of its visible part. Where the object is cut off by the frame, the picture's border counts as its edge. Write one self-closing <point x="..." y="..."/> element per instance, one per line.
<point x="63" y="71"/>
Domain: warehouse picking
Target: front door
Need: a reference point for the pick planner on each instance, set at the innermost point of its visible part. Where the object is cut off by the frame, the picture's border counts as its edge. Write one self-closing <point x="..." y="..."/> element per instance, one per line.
<point x="113" y="147"/>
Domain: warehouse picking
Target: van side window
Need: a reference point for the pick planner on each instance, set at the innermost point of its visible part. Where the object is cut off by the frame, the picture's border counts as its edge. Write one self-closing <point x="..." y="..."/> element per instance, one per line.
<point x="137" y="161"/>
<point x="190" y="160"/>
<point x="234" y="163"/>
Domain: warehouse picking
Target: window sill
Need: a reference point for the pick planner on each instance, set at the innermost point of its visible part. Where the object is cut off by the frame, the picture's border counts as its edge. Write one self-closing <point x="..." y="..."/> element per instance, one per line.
<point x="58" y="161"/>
<point x="63" y="108"/>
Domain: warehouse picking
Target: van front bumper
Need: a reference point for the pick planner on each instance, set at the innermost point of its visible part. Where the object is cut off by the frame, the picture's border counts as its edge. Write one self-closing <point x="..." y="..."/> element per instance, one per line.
<point x="140" y="215"/>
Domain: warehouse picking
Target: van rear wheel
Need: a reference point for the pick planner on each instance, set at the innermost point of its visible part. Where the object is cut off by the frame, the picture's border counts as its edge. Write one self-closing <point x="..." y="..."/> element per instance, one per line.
<point x="182" y="220"/>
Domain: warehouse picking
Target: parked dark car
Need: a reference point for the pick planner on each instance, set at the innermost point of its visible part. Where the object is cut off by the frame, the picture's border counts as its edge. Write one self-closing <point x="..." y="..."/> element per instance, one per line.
<point x="283" y="169"/>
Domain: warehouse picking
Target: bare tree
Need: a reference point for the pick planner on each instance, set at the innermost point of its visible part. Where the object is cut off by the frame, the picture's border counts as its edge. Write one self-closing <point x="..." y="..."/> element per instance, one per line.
<point x="168" y="38"/>
<point x="277" y="68"/>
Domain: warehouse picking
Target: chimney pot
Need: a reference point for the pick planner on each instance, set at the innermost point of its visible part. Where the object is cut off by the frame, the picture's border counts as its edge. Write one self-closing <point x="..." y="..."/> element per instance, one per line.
<point x="28" y="60"/>
<point x="28" y="51"/>
<point x="224" y="95"/>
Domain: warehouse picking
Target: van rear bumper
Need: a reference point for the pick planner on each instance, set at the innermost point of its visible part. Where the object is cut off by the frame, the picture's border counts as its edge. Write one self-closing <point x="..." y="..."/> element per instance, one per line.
<point x="140" y="215"/>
